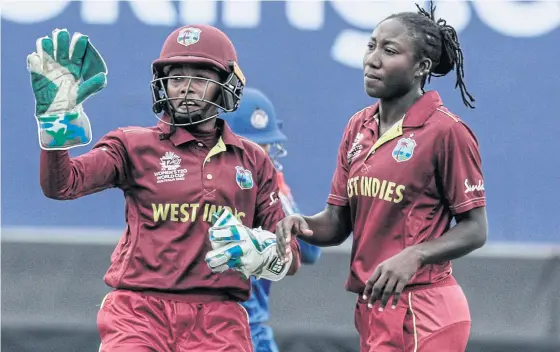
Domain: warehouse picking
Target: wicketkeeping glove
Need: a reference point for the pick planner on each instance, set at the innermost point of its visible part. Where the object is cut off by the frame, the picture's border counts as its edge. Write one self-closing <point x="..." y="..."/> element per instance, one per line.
<point x="64" y="73"/>
<point x="249" y="251"/>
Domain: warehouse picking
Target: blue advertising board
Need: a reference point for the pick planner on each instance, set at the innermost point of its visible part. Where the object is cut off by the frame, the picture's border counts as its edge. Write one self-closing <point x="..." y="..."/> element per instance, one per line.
<point x="306" y="56"/>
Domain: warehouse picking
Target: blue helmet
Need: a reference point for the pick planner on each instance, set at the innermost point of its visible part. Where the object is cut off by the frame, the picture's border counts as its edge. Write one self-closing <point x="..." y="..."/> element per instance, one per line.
<point x="255" y="119"/>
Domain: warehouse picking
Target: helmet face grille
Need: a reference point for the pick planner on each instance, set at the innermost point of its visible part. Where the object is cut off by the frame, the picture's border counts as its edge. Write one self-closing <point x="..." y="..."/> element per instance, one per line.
<point x="277" y="151"/>
<point x="227" y="99"/>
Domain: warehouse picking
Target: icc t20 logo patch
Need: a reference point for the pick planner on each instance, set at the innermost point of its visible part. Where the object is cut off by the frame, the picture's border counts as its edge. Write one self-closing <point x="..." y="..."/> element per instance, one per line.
<point x="404" y="149"/>
<point x="189" y="36"/>
<point x="244" y="178"/>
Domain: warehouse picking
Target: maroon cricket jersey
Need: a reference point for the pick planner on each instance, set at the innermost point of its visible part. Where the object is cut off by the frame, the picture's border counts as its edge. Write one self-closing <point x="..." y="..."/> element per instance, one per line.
<point x="171" y="187"/>
<point x="404" y="187"/>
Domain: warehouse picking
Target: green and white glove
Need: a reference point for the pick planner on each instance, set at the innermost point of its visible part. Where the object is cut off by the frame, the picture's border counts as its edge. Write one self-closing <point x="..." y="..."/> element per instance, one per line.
<point x="64" y="73"/>
<point x="249" y="251"/>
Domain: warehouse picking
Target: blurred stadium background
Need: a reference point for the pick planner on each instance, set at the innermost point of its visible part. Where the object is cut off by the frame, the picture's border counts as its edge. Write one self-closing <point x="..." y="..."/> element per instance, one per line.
<point x="306" y="55"/>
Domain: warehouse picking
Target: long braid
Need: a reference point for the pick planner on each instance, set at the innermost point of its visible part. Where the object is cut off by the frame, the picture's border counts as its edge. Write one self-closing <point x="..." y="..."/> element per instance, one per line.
<point x="452" y="49"/>
<point x="439" y="42"/>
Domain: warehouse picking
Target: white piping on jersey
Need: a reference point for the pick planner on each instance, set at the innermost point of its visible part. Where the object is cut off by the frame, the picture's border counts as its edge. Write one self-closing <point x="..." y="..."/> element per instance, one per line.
<point x="250" y="141"/>
<point x="145" y="129"/>
<point x="467" y="202"/>
<point x="134" y="129"/>
<point x="337" y="197"/>
<point x="356" y="114"/>
<point x="448" y="114"/>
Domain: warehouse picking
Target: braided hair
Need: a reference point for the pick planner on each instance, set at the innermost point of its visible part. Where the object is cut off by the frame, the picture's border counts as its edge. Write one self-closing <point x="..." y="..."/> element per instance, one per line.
<point x="438" y="41"/>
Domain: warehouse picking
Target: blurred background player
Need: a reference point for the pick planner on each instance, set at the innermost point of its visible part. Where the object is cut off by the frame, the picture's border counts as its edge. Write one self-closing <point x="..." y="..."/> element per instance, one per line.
<point x="256" y="120"/>
<point x="174" y="177"/>
<point x="406" y="168"/>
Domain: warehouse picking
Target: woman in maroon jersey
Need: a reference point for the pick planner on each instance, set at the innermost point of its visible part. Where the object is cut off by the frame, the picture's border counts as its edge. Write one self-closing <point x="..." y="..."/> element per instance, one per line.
<point x="174" y="177"/>
<point x="405" y="169"/>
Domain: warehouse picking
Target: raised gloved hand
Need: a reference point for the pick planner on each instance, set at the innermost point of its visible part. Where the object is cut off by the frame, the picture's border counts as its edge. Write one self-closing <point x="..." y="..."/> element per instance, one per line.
<point x="64" y="73"/>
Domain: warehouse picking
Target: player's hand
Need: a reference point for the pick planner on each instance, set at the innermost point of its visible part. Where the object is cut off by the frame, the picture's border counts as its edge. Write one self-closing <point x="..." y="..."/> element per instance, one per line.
<point x="65" y="71"/>
<point x="249" y="251"/>
<point x="292" y="225"/>
<point x="391" y="277"/>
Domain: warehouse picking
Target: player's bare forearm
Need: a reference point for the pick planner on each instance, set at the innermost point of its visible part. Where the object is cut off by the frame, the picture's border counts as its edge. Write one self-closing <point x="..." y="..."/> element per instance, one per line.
<point x="468" y="235"/>
<point x="330" y="227"/>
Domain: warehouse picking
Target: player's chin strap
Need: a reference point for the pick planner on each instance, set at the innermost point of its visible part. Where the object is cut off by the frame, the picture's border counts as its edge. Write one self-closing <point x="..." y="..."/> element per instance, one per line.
<point x="172" y="130"/>
<point x="173" y="125"/>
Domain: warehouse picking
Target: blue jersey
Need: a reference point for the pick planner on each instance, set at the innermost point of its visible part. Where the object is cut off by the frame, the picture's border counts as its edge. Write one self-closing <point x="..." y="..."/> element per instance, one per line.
<point x="257" y="305"/>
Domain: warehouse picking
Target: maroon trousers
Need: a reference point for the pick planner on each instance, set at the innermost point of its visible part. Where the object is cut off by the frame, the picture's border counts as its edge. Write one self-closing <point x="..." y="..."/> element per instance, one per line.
<point x="427" y="319"/>
<point x="131" y="321"/>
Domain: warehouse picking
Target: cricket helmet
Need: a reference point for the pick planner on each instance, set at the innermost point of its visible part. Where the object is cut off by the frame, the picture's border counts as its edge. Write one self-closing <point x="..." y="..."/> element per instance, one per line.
<point x="198" y="44"/>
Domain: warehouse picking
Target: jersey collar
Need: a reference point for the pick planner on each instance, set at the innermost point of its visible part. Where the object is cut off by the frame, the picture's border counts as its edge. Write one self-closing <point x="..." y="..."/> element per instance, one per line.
<point x="182" y="136"/>
<point x="418" y="113"/>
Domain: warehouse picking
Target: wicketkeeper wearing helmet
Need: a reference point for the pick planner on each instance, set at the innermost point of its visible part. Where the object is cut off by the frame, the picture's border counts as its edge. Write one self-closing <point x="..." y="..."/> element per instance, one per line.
<point x="192" y="188"/>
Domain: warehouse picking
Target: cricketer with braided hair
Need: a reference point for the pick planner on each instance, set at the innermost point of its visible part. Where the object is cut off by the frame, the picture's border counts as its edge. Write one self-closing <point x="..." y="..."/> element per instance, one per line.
<point x="406" y="167"/>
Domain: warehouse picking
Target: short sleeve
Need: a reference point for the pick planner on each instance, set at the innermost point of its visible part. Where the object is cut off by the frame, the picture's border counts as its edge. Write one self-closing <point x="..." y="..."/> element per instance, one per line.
<point x="339" y="194"/>
<point x="460" y="168"/>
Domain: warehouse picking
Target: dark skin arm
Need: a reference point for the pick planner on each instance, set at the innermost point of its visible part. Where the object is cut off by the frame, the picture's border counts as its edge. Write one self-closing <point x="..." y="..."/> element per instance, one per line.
<point x="391" y="276"/>
<point x="330" y="227"/>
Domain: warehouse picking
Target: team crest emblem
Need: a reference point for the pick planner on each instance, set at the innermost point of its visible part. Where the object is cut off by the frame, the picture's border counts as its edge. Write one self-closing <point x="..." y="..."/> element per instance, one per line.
<point x="189" y="36"/>
<point x="244" y="178"/>
<point x="404" y="149"/>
